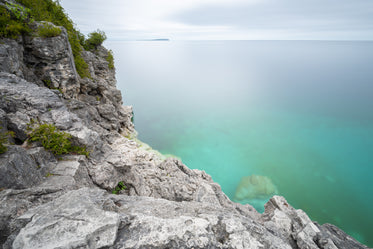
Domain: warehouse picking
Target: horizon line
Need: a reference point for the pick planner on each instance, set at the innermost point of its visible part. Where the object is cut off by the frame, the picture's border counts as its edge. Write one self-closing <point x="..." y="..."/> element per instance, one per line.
<point x="170" y="40"/>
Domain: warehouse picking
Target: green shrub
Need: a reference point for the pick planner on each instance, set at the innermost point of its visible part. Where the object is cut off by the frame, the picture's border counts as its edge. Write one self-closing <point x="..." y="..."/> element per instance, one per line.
<point x="48" y="30"/>
<point x="12" y="24"/>
<point x="94" y="40"/>
<point x="19" y="12"/>
<point x="4" y="139"/>
<point x="82" y="67"/>
<point x="81" y="38"/>
<point x="118" y="188"/>
<point x="110" y="59"/>
<point x="14" y="29"/>
<point x="54" y="140"/>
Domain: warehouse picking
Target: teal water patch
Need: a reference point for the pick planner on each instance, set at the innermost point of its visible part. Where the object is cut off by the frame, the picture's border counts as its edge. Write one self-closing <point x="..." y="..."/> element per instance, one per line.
<point x="296" y="113"/>
<point x="320" y="164"/>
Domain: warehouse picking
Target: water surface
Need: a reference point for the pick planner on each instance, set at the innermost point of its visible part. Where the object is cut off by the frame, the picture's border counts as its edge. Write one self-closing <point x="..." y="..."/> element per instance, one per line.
<point x="297" y="112"/>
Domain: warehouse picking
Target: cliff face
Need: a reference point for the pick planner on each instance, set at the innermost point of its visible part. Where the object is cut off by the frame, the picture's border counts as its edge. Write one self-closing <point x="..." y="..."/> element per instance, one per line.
<point x="49" y="201"/>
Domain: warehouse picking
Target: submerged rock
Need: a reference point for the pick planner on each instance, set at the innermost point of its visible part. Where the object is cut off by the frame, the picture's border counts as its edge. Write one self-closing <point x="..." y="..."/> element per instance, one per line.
<point x="254" y="187"/>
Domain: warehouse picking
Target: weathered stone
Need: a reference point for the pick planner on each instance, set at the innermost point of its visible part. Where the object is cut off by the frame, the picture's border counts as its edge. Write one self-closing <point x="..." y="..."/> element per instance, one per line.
<point x="159" y="223"/>
<point x="18" y="169"/>
<point x="14" y="203"/>
<point x="74" y="220"/>
<point x="107" y="111"/>
<point x="23" y="101"/>
<point x="45" y="160"/>
<point x="146" y="174"/>
<point x="3" y="122"/>
<point x="99" y="66"/>
<point x="51" y="60"/>
<point x="333" y="237"/>
<point x="69" y="173"/>
<point x="300" y="231"/>
<point x="11" y="57"/>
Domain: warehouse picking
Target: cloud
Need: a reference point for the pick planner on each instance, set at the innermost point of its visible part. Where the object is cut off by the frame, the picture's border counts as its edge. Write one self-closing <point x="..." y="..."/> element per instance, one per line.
<point x="225" y="19"/>
<point x="296" y="17"/>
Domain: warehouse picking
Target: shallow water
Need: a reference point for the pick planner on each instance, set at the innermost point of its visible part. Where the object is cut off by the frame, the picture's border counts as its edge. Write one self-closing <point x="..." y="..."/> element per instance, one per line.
<point x="298" y="112"/>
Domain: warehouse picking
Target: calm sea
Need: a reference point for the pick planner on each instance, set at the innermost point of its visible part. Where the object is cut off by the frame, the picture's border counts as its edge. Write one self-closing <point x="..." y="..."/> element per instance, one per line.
<point x="297" y="112"/>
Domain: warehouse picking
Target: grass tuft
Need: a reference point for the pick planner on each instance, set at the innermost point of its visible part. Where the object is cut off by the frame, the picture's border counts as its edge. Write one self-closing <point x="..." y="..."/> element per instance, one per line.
<point x="54" y="140"/>
<point x="48" y="30"/>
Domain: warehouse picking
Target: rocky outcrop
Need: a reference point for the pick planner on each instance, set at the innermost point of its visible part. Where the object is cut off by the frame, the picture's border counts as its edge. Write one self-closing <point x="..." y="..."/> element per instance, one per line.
<point x="50" y="61"/>
<point x="21" y="168"/>
<point x="73" y="220"/>
<point x="11" y="57"/>
<point x="66" y="201"/>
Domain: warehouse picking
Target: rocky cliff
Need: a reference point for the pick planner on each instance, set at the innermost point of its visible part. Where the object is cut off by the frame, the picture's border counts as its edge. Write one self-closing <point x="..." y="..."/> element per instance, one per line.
<point x="66" y="201"/>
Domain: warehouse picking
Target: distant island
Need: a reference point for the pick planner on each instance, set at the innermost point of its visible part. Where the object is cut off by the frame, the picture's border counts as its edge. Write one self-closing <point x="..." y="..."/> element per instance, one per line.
<point x="162" y="39"/>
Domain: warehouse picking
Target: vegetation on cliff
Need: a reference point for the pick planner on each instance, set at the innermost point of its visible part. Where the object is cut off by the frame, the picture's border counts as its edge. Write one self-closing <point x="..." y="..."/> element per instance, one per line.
<point x="15" y="20"/>
<point x="48" y="30"/>
<point x="94" y="40"/>
<point x="54" y="140"/>
<point x="4" y="137"/>
<point x="110" y="59"/>
<point x="119" y="188"/>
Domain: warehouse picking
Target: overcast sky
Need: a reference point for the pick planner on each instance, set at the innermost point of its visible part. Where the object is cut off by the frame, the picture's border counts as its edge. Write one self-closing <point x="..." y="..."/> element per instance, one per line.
<point x="225" y="19"/>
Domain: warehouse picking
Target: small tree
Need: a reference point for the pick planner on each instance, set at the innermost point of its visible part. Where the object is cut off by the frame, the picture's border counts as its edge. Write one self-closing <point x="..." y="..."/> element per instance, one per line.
<point x="95" y="39"/>
<point x="4" y="136"/>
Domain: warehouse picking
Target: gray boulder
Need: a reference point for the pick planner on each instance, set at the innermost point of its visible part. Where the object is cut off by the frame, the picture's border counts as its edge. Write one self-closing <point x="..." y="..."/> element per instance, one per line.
<point x="74" y="220"/>
<point x="19" y="170"/>
<point x="69" y="173"/>
<point x="14" y="203"/>
<point x="91" y="218"/>
<point x="331" y="234"/>
<point x="11" y="57"/>
<point x="23" y="101"/>
<point x="157" y="223"/>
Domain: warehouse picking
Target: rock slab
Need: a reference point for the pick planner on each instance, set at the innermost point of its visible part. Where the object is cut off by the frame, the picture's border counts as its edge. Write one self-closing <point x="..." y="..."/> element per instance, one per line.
<point x="71" y="221"/>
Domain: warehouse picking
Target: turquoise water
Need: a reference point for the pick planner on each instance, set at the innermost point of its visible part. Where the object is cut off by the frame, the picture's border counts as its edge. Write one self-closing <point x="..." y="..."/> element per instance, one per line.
<point x="297" y="112"/>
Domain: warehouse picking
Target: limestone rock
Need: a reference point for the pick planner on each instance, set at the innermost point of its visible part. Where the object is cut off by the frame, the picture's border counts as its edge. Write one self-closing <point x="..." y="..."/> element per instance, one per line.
<point x="102" y="94"/>
<point x="300" y="231"/>
<point x="14" y="203"/>
<point x="23" y="101"/>
<point x="51" y="60"/>
<point x="333" y="236"/>
<point x="3" y="122"/>
<point x="293" y="224"/>
<point x="69" y="173"/>
<point x="91" y="218"/>
<point x="158" y="223"/>
<point x="11" y="57"/>
<point x="145" y="174"/>
<point x="73" y="220"/>
<point x="18" y="169"/>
